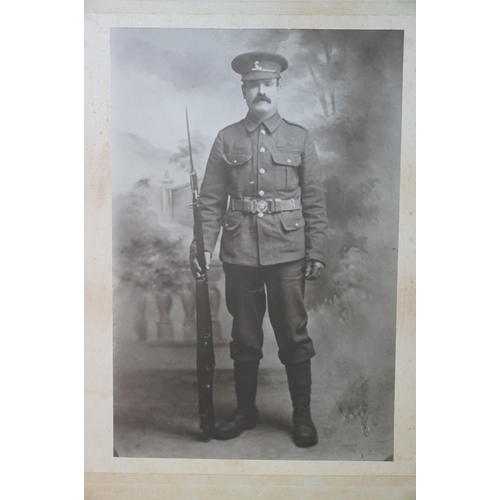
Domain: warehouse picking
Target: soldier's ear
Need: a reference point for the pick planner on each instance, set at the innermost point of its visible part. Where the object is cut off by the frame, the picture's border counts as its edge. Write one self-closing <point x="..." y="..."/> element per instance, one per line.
<point x="243" y="90"/>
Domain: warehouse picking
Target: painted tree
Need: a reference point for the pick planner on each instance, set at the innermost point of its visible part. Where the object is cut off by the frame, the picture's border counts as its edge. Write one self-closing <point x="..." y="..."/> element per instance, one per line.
<point x="354" y="84"/>
<point x="149" y="257"/>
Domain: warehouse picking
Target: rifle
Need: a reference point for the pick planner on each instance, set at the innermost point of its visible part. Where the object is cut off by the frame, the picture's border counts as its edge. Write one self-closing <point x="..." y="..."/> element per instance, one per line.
<point x="205" y="359"/>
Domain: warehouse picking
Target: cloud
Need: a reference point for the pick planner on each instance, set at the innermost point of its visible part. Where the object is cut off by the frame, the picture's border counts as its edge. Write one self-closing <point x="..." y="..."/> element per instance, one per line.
<point x="182" y="68"/>
<point x="194" y="58"/>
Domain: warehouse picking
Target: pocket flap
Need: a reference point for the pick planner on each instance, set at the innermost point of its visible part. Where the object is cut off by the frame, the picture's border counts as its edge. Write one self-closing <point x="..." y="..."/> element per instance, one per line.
<point x="292" y="220"/>
<point x="236" y="158"/>
<point x="231" y="220"/>
<point x="288" y="159"/>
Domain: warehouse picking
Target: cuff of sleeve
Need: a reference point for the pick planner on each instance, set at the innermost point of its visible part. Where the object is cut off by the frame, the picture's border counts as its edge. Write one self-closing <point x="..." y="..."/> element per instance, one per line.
<point x="192" y="248"/>
<point x="319" y="258"/>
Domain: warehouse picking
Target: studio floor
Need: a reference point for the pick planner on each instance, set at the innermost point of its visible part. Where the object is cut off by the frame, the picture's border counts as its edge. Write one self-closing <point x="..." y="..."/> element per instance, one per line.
<point x="156" y="416"/>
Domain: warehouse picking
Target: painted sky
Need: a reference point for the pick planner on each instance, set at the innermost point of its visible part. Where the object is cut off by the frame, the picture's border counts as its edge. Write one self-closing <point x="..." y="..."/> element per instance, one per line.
<point x="157" y="72"/>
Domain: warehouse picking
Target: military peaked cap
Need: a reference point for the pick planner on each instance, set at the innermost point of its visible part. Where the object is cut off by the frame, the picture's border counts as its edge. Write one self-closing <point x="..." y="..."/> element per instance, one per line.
<point x="259" y="65"/>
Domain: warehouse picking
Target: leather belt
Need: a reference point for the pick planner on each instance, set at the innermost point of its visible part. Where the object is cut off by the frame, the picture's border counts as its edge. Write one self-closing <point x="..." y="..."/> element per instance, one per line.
<point x="253" y="206"/>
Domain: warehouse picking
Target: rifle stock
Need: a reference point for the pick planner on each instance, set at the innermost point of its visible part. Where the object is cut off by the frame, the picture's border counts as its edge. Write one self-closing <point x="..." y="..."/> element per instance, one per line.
<point x="205" y="358"/>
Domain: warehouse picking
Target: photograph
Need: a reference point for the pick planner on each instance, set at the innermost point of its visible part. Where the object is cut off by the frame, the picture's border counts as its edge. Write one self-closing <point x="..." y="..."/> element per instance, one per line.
<point x="255" y="178"/>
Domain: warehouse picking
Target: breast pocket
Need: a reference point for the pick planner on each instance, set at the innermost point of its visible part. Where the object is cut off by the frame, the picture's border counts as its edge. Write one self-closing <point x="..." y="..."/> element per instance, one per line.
<point x="237" y="158"/>
<point x="286" y="164"/>
<point x="239" y="162"/>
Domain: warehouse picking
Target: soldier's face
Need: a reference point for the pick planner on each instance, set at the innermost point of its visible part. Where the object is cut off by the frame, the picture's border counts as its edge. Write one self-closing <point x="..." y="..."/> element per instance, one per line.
<point x="262" y="95"/>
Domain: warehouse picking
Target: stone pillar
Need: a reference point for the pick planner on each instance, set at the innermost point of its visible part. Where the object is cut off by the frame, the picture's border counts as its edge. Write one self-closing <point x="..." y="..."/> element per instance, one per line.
<point x="165" y="327"/>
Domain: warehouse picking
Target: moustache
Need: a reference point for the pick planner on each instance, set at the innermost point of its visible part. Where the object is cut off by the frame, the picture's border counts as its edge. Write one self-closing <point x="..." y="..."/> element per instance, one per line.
<point x="262" y="98"/>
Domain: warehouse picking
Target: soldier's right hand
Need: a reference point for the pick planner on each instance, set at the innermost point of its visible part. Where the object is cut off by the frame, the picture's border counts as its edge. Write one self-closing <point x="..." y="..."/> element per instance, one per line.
<point x="195" y="266"/>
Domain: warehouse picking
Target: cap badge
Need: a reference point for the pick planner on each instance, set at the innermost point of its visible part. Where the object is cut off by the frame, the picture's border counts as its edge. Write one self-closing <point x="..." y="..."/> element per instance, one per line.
<point x="257" y="66"/>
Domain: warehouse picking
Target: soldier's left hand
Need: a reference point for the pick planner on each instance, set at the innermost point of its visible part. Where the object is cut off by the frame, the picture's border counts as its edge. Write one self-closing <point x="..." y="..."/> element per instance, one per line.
<point x="314" y="268"/>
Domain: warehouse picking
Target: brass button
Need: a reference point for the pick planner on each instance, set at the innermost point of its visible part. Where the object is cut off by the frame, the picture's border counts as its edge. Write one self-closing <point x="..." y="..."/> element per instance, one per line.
<point x="262" y="149"/>
<point x="289" y="161"/>
<point x="260" y="215"/>
<point x="261" y="193"/>
<point x="297" y="224"/>
<point x="262" y="171"/>
<point x="235" y="161"/>
<point x="263" y="132"/>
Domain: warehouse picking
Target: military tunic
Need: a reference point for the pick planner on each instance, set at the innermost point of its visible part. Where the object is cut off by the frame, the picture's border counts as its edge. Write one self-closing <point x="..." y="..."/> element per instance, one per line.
<point x="275" y="159"/>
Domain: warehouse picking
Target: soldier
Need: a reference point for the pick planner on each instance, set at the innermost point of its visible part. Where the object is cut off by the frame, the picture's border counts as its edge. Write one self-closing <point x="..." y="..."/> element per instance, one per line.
<point x="263" y="186"/>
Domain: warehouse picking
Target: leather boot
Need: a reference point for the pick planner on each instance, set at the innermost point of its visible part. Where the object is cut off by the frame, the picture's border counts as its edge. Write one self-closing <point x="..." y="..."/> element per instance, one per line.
<point x="299" y="382"/>
<point x="246" y="415"/>
<point x="304" y="431"/>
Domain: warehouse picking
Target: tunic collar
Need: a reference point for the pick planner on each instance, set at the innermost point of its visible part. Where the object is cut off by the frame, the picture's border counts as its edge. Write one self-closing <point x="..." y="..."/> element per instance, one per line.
<point x="271" y="123"/>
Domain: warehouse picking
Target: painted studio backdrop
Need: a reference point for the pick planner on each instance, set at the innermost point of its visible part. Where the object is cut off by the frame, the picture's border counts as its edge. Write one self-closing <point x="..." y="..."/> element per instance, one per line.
<point x="345" y="86"/>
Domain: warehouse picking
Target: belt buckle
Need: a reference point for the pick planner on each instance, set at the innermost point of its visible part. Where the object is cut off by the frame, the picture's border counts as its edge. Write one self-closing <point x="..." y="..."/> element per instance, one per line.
<point x="261" y="206"/>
